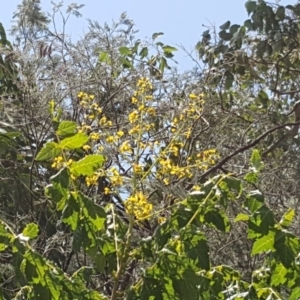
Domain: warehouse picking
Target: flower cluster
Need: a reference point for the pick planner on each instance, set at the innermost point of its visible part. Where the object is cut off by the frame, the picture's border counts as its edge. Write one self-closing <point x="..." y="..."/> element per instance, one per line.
<point x="59" y="163"/>
<point x="139" y="206"/>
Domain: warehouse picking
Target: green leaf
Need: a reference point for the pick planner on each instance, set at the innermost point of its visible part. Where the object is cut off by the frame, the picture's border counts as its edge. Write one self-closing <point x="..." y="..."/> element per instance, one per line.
<point x="241" y="217"/>
<point x="234" y="28"/>
<point x="124" y="51"/>
<point x="254" y="200"/>
<point x="251" y="177"/>
<point x="195" y="246"/>
<point x="3" y="39"/>
<point x="284" y="252"/>
<point x="278" y="275"/>
<point x="225" y="26"/>
<point x="280" y="13"/>
<point x="217" y="219"/>
<point x="248" y="24"/>
<point x="256" y="159"/>
<point x="264" y="244"/>
<point x="31" y="230"/>
<point x="250" y="6"/>
<point x="70" y="214"/>
<point x="144" y="52"/>
<point x="74" y="142"/>
<point x="234" y="184"/>
<point x="226" y="36"/>
<point x="229" y="80"/>
<point x="126" y="63"/>
<point x="87" y="165"/>
<point x="295" y="294"/>
<point x="156" y="35"/>
<point x="66" y="128"/>
<point x="287" y="218"/>
<point x="104" y="57"/>
<point x="93" y="212"/>
<point x="49" y="151"/>
<point x="163" y="64"/>
<point x="169" y="49"/>
<point x="187" y="286"/>
<point x="58" y="190"/>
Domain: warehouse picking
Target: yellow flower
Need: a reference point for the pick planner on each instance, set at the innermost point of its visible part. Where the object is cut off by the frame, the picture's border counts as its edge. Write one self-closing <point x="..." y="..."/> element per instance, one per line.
<point x="58" y="162"/>
<point x="106" y="190"/>
<point x="138" y="205"/>
<point x="133" y="117"/>
<point x="134" y="100"/>
<point x="196" y="188"/>
<point x="94" y="136"/>
<point x="92" y="97"/>
<point x="125" y="147"/>
<point x="73" y="177"/>
<point x="161" y="220"/>
<point x="80" y="95"/>
<point x="137" y="168"/>
<point x="193" y="96"/>
<point x="110" y="139"/>
<point x="69" y="163"/>
<point x="103" y="120"/>
<point x="86" y="147"/>
<point x="91" y="180"/>
<point x="120" y="133"/>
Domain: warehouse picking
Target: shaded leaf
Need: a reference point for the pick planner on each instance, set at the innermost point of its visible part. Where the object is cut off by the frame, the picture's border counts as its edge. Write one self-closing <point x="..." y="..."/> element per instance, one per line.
<point x="225" y="26"/>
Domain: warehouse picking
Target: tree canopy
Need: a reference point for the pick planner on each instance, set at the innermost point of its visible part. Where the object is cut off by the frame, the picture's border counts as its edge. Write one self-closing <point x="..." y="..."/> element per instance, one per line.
<point x="123" y="178"/>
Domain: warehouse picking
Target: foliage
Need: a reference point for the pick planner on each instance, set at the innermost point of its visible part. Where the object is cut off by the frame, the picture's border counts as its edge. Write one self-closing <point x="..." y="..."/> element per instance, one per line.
<point x="139" y="182"/>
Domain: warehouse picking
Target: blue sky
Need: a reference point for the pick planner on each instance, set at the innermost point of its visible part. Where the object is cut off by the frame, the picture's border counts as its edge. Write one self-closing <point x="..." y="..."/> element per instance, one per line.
<point x="180" y="20"/>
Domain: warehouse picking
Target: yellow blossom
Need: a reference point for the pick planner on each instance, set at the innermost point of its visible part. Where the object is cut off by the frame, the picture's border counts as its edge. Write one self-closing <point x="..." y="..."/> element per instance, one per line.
<point x="120" y="133"/>
<point x="106" y="191"/>
<point x="91" y="180"/>
<point x="103" y="120"/>
<point x="110" y="139"/>
<point x="137" y="168"/>
<point x="196" y="188"/>
<point x="161" y="219"/>
<point x="58" y="162"/>
<point x="193" y="96"/>
<point x="94" y="136"/>
<point x="134" y="100"/>
<point x="125" y="147"/>
<point x="133" y="117"/>
<point x="86" y="147"/>
<point x="138" y="205"/>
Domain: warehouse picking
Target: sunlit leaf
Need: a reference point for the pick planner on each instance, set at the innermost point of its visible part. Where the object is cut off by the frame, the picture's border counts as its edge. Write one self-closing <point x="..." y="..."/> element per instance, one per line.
<point x="66" y="128"/>
<point x="87" y="165"/>
<point x="74" y="142"/>
<point x="287" y="218"/>
<point x="264" y="244"/>
<point x="49" y="151"/>
<point x="31" y="230"/>
<point x="279" y="275"/>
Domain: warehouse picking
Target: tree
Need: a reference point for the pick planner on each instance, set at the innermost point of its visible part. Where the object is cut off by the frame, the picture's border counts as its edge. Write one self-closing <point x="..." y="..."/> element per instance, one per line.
<point x="142" y="183"/>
